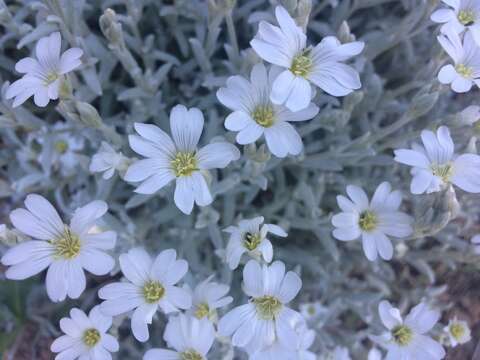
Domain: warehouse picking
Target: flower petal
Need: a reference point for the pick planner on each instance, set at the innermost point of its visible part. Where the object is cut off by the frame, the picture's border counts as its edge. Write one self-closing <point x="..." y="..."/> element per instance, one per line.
<point x="186" y="126"/>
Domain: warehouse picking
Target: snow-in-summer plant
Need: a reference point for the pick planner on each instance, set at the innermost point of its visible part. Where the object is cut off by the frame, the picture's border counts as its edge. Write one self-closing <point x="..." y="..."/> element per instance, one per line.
<point x="291" y="124"/>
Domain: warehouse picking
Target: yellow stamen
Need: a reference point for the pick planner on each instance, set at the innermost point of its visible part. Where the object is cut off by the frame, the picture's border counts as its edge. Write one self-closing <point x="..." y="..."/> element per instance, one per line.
<point x="368" y="221"/>
<point x="153" y="291"/>
<point x="91" y="337"/>
<point x="267" y="307"/>
<point x="264" y="115"/>
<point x="184" y="164"/>
<point x="301" y="64"/>
<point x="68" y="245"/>
<point x="402" y="335"/>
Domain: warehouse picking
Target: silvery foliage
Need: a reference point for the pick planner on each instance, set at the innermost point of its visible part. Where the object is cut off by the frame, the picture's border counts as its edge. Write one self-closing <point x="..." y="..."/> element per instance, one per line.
<point x="145" y="56"/>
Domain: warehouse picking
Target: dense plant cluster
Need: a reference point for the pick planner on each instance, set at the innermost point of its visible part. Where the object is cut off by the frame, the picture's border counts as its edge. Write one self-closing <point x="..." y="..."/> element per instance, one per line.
<point x="222" y="179"/>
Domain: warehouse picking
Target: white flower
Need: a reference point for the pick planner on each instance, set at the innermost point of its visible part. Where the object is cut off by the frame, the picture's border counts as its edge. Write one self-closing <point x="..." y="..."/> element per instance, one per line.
<point x="265" y="318"/>
<point x="248" y="237"/>
<point x="65" y="249"/>
<point x="466" y="58"/>
<point x="191" y="338"/>
<point x="435" y="165"/>
<point x="476" y="243"/>
<point x="85" y="336"/>
<point x="107" y="160"/>
<point x="44" y="74"/>
<point x="286" y="46"/>
<point x="254" y="114"/>
<point x="458" y="332"/>
<point x="304" y="338"/>
<point x="465" y="15"/>
<point x="373" y="220"/>
<point x="151" y="285"/>
<point x="312" y="310"/>
<point x="178" y="159"/>
<point x="406" y="339"/>
<point x="60" y="148"/>
<point x="209" y="296"/>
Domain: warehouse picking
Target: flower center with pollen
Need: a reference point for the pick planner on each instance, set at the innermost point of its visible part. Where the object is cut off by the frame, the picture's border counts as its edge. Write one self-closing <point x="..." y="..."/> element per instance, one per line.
<point x="301" y="64"/>
<point x="61" y="146"/>
<point x="190" y="355"/>
<point x="68" y="245"/>
<point x="202" y="310"/>
<point x="91" y="337"/>
<point x="368" y="220"/>
<point x="457" y="331"/>
<point x="402" y="335"/>
<point x="464" y="71"/>
<point x="267" y="307"/>
<point x="50" y="78"/>
<point x="466" y="17"/>
<point x="444" y="172"/>
<point x="184" y="164"/>
<point x="251" y="241"/>
<point x="264" y="115"/>
<point x="153" y="291"/>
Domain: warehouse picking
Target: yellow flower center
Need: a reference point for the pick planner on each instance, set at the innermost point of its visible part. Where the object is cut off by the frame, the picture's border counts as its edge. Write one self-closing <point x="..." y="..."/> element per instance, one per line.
<point x="311" y="310"/>
<point x="466" y="17"/>
<point x="264" y="115"/>
<point x="444" y="172"/>
<point x="61" y="146"/>
<point x="50" y="78"/>
<point x="301" y="64"/>
<point x="202" y="310"/>
<point x="267" y="307"/>
<point x="91" y="337"/>
<point x="465" y="71"/>
<point x="251" y="241"/>
<point x="184" y="164"/>
<point x="190" y="355"/>
<point x="402" y="335"/>
<point x="68" y="245"/>
<point x="368" y="220"/>
<point x="457" y="331"/>
<point x="153" y="291"/>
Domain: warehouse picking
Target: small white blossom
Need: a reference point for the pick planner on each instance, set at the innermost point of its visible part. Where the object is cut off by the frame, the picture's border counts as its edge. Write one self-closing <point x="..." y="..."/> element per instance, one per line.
<point x="61" y="149"/>
<point x="265" y="318"/>
<point x="304" y="338"/>
<point x="64" y="249"/>
<point x="254" y="114"/>
<point x="458" y="332"/>
<point x="476" y="243"/>
<point x="150" y="285"/>
<point x="407" y="339"/>
<point x="250" y="237"/>
<point x="461" y="15"/>
<point x="207" y="297"/>
<point x="435" y="165"/>
<point x="322" y="65"/>
<point x="191" y="338"/>
<point x="465" y="72"/>
<point x="312" y="310"/>
<point x="178" y="159"/>
<point x="374" y="221"/>
<point x="107" y="160"/>
<point x="44" y="74"/>
<point x="85" y="336"/>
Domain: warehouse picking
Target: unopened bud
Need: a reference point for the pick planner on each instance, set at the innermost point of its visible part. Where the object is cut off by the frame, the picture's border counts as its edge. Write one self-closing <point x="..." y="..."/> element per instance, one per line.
<point x="111" y="28"/>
